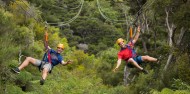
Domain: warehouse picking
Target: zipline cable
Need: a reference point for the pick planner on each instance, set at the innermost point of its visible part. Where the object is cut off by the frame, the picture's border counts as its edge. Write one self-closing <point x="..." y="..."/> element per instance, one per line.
<point x="145" y="6"/>
<point x="27" y="12"/>
<point x="41" y="20"/>
<point x="73" y="8"/>
<point x="58" y="23"/>
<point x="104" y="16"/>
<point x="72" y="19"/>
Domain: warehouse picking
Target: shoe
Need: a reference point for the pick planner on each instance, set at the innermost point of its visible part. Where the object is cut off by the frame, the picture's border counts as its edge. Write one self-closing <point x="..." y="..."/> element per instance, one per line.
<point x="42" y="81"/>
<point x="144" y="71"/>
<point x="16" y="70"/>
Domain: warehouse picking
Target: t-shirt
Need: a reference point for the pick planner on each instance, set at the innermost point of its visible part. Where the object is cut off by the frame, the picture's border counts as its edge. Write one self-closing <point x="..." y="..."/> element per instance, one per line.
<point x="56" y="58"/>
<point x="128" y="52"/>
<point x="125" y="54"/>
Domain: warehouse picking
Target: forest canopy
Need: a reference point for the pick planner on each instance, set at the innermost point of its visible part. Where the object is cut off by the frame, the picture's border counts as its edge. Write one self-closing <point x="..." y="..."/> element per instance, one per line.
<point x="88" y="30"/>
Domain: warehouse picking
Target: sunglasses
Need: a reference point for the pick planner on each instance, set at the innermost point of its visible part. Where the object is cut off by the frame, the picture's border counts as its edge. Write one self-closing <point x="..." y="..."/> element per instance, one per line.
<point x="60" y="48"/>
<point x="120" y="43"/>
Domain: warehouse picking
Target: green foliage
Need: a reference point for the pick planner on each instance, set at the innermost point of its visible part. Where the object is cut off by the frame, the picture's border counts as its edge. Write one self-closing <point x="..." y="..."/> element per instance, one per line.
<point x="109" y="55"/>
<point x="169" y="91"/>
<point x="6" y="18"/>
<point x="107" y="10"/>
<point x="181" y="92"/>
<point x="105" y="66"/>
<point x="100" y="36"/>
<point x="81" y="60"/>
<point x="23" y="78"/>
<point x="7" y="48"/>
<point x="182" y="67"/>
<point x="23" y="35"/>
<point x="179" y="85"/>
<point x="142" y="84"/>
<point x="37" y="50"/>
<point x="39" y="31"/>
<point x="91" y="74"/>
<point x="181" y="17"/>
<point x="23" y="12"/>
<point x="12" y="89"/>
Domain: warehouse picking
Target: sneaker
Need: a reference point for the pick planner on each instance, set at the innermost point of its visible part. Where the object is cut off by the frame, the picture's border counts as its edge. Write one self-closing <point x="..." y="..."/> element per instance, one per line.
<point x="42" y="81"/>
<point x="16" y="70"/>
<point x="144" y="71"/>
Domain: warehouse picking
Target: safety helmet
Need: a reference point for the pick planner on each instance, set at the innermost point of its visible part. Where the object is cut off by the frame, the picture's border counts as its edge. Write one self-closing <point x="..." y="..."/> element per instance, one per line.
<point x="119" y="40"/>
<point x="60" y="45"/>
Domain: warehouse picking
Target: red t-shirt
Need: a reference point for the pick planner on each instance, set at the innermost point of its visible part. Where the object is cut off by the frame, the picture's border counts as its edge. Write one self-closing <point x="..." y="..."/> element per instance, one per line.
<point x="125" y="54"/>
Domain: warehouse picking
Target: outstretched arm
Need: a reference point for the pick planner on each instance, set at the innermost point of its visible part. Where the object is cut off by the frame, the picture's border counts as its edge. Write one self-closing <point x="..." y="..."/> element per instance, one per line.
<point x="136" y="35"/>
<point x="66" y="63"/>
<point x="48" y="48"/>
<point x="118" y="64"/>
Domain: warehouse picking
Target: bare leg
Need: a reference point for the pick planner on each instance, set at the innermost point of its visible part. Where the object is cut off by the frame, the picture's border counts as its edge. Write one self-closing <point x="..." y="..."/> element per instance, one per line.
<point x="26" y="62"/>
<point x="135" y="63"/>
<point x="148" y="58"/>
<point x="44" y="73"/>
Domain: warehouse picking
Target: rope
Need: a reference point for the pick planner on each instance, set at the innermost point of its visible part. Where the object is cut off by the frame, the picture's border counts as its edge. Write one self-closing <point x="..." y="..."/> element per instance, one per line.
<point x="41" y="20"/>
<point x="131" y="32"/>
<point x="113" y="20"/>
<point x="144" y="6"/>
<point x="46" y="45"/>
<point x="104" y="16"/>
<point x="27" y="11"/>
<point x="140" y="11"/>
<point x="73" y="8"/>
<point x="58" y="23"/>
<point x="72" y="19"/>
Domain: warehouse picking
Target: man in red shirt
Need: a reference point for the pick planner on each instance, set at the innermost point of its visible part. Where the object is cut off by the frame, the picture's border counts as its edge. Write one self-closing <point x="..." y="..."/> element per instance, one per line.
<point x="128" y="54"/>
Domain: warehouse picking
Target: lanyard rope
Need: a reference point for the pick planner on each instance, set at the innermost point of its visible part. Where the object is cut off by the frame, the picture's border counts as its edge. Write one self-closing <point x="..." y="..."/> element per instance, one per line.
<point x="131" y="42"/>
<point x="46" y="45"/>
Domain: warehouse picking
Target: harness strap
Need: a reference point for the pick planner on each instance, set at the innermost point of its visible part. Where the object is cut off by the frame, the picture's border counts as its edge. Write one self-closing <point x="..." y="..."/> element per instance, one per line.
<point x="49" y="57"/>
<point x="43" y="60"/>
<point x="43" y="63"/>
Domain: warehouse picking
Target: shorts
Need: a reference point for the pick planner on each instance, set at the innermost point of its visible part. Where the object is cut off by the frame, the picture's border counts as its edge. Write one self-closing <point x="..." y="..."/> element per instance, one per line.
<point x="138" y="59"/>
<point x="43" y="65"/>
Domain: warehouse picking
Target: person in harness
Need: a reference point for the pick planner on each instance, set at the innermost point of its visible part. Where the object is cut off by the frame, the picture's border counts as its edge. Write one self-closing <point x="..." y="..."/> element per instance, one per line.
<point x="128" y="54"/>
<point x="47" y="64"/>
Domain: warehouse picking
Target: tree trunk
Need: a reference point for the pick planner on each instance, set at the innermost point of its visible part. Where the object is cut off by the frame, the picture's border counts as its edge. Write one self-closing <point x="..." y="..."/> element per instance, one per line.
<point x="146" y="23"/>
<point x="126" y="21"/>
<point x="143" y="39"/>
<point x="170" y="38"/>
<point x="170" y="41"/>
<point x="126" y="75"/>
<point x="144" y="46"/>
<point x="182" y="32"/>
<point x="155" y="32"/>
<point x="168" y="61"/>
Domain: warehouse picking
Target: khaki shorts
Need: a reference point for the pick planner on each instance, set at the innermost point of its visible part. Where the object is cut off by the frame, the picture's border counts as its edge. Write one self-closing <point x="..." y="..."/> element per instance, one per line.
<point x="43" y="64"/>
